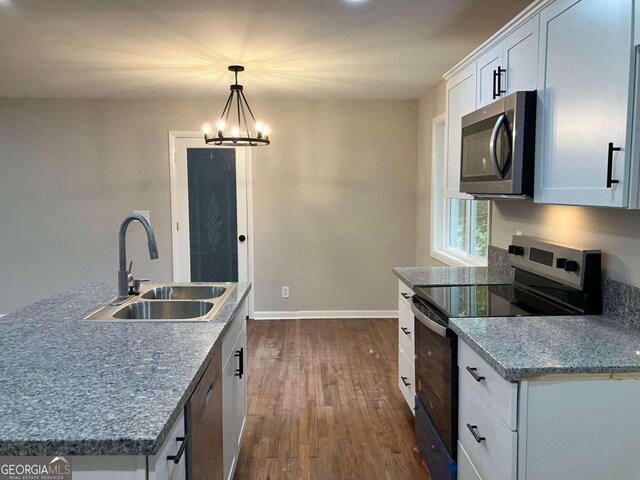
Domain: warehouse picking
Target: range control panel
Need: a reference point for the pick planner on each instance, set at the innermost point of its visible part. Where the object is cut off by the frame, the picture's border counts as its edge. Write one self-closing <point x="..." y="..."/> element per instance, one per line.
<point x="564" y="264"/>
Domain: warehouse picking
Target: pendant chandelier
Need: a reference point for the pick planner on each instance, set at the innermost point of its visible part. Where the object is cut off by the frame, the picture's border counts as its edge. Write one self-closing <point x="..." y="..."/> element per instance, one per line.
<point x="245" y="131"/>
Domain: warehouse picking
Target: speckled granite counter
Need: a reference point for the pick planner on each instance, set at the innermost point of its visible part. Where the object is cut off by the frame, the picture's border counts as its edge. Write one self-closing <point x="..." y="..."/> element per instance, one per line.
<point x="522" y="347"/>
<point x="111" y="388"/>
<point x="434" y="276"/>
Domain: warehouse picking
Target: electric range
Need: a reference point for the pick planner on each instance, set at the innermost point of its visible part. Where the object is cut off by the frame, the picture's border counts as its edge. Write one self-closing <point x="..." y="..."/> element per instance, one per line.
<point x="549" y="280"/>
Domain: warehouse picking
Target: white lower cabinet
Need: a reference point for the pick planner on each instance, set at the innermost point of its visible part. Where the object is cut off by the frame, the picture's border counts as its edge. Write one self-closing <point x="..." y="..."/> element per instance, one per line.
<point x="490" y="444"/>
<point x="234" y="400"/>
<point x="466" y="469"/>
<point x="406" y="345"/>
<point x="569" y="427"/>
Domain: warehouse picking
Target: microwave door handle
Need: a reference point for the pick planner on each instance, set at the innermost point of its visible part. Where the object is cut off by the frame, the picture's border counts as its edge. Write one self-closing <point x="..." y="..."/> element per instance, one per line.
<point x="493" y="146"/>
<point x="427" y="322"/>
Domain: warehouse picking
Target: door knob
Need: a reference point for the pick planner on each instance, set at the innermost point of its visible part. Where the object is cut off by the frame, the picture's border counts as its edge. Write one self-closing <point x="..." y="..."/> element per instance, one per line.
<point x="242" y="238"/>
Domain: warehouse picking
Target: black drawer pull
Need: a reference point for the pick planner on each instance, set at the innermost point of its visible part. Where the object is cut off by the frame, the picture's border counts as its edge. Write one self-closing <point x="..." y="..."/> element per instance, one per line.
<point x="473" y="429"/>
<point x="405" y="330"/>
<point x="176" y="458"/>
<point x="240" y="356"/>
<point x="404" y="380"/>
<point x="472" y="371"/>
<point x="612" y="149"/>
<point x="406" y="295"/>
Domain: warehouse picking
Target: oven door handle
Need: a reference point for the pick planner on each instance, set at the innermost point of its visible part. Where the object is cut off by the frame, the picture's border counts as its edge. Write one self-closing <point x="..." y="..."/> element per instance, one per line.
<point x="493" y="146"/>
<point x="427" y="322"/>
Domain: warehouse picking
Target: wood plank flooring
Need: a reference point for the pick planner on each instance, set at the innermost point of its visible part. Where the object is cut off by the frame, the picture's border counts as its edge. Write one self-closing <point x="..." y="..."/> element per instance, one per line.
<point x="323" y="403"/>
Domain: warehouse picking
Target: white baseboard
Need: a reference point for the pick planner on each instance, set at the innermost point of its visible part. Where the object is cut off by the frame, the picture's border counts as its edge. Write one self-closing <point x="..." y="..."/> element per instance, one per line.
<point x="320" y="314"/>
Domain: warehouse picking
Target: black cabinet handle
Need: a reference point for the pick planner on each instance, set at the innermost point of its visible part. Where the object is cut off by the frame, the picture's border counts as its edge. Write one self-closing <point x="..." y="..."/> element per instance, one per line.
<point x="242" y="238"/>
<point x="176" y="458"/>
<point x="405" y="330"/>
<point x="240" y="356"/>
<point x="497" y="82"/>
<point x="406" y="295"/>
<point x="404" y="380"/>
<point x="472" y="371"/>
<point x="473" y="429"/>
<point x="612" y="149"/>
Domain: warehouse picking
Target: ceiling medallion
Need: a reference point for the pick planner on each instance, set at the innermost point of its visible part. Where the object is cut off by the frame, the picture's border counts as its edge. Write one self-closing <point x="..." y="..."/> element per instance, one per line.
<point x="235" y="110"/>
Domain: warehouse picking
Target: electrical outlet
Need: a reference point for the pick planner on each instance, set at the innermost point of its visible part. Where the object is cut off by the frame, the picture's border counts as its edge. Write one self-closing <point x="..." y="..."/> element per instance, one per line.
<point x="285" y="292"/>
<point x="518" y="233"/>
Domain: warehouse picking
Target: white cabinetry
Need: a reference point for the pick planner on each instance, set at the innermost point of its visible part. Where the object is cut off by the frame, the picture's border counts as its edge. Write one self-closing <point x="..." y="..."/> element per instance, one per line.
<point x="234" y="395"/>
<point x="510" y="65"/>
<point x="520" y="57"/>
<point x="488" y="72"/>
<point x="461" y="100"/>
<point x="406" y="345"/>
<point x="573" y="427"/>
<point x="584" y="89"/>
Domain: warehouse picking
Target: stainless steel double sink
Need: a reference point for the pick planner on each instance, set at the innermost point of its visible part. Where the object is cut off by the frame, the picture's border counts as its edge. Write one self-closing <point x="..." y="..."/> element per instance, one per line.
<point x="167" y="302"/>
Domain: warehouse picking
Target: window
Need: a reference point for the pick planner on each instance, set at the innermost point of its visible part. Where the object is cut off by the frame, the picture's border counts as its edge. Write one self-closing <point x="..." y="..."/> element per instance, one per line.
<point x="460" y="226"/>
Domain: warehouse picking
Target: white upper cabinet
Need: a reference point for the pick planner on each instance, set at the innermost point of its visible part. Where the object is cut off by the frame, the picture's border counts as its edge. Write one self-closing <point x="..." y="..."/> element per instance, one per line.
<point x="489" y="75"/>
<point x="584" y="89"/>
<point x="461" y="100"/>
<point x="510" y="65"/>
<point x="520" y="58"/>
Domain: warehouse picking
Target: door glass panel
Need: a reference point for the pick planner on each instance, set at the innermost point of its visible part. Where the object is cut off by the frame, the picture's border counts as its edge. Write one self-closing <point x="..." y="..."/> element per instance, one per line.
<point x="213" y="214"/>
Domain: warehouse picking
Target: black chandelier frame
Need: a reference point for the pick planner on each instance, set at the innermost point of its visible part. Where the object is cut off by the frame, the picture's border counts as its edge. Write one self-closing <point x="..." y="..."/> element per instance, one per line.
<point x="239" y="101"/>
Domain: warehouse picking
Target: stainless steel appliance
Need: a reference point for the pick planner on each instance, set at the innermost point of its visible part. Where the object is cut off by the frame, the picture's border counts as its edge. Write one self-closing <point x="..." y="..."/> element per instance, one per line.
<point x="204" y="422"/>
<point x="498" y="148"/>
<point x="549" y="280"/>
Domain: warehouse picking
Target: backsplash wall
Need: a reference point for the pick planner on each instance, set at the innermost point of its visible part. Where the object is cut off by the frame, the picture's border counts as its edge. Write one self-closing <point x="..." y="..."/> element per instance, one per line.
<point x="615" y="232"/>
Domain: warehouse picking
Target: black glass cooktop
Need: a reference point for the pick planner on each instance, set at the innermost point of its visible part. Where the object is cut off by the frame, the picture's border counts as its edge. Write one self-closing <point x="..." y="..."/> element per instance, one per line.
<point x="508" y="300"/>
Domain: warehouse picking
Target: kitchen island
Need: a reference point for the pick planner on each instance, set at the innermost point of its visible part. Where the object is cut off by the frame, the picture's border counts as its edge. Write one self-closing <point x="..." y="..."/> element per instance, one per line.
<point x="103" y="388"/>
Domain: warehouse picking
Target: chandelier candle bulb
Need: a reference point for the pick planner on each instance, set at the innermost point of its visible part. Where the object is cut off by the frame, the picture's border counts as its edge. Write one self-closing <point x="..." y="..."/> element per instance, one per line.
<point x="206" y="128"/>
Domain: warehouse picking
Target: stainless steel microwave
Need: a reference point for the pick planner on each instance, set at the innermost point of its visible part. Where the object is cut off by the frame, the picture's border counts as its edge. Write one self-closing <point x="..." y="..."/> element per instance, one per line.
<point x="498" y="143"/>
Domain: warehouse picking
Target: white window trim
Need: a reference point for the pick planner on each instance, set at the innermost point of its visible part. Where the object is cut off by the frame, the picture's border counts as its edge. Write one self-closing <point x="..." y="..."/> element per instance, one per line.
<point x="439" y="205"/>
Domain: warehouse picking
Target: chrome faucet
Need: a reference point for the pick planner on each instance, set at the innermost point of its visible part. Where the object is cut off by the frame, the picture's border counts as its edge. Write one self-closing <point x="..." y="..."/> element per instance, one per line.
<point x="124" y="275"/>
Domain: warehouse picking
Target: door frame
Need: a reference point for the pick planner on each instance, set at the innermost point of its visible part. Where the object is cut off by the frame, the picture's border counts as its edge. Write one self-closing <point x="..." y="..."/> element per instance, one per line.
<point x="173" y="138"/>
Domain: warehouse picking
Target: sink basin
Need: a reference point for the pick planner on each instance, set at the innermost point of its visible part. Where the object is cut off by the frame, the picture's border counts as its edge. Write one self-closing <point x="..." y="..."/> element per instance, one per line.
<point x="163" y="310"/>
<point x="199" y="292"/>
<point x="167" y="302"/>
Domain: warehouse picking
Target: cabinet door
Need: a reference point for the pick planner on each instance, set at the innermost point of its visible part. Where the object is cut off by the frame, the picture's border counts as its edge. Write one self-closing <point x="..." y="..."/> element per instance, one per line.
<point x="461" y="100"/>
<point x="585" y="67"/>
<point x="240" y="391"/>
<point x="486" y="69"/>
<point x="520" y="57"/>
<point x="234" y="404"/>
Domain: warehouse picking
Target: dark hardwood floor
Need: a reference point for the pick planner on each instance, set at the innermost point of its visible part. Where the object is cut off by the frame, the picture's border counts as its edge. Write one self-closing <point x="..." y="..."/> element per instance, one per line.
<point x="323" y="403"/>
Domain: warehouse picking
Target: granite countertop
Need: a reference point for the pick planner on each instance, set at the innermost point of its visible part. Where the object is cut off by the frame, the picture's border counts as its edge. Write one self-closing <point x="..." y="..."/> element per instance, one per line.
<point x="438" y="276"/>
<point x="525" y="347"/>
<point x="71" y="388"/>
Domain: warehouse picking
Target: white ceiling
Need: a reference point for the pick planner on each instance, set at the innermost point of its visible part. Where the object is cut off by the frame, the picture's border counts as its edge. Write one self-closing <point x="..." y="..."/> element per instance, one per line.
<point x="292" y="48"/>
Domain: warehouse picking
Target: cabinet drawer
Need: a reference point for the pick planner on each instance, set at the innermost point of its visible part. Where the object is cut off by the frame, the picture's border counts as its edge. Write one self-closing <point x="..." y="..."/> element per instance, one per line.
<point x="406" y="331"/>
<point x="404" y="293"/>
<point x="494" y="452"/>
<point x="406" y="379"/>
<point x="466" y="470"/>
<point x="501" y="394"/>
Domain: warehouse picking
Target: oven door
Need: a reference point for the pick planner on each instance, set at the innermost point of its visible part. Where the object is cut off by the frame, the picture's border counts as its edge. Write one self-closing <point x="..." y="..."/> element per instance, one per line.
<point x="437" y="372"/>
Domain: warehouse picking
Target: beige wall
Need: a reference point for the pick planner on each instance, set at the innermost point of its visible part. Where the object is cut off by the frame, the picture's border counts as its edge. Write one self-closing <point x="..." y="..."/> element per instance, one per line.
<point x="334" y="196"/>
<point x="430" y="106"/>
